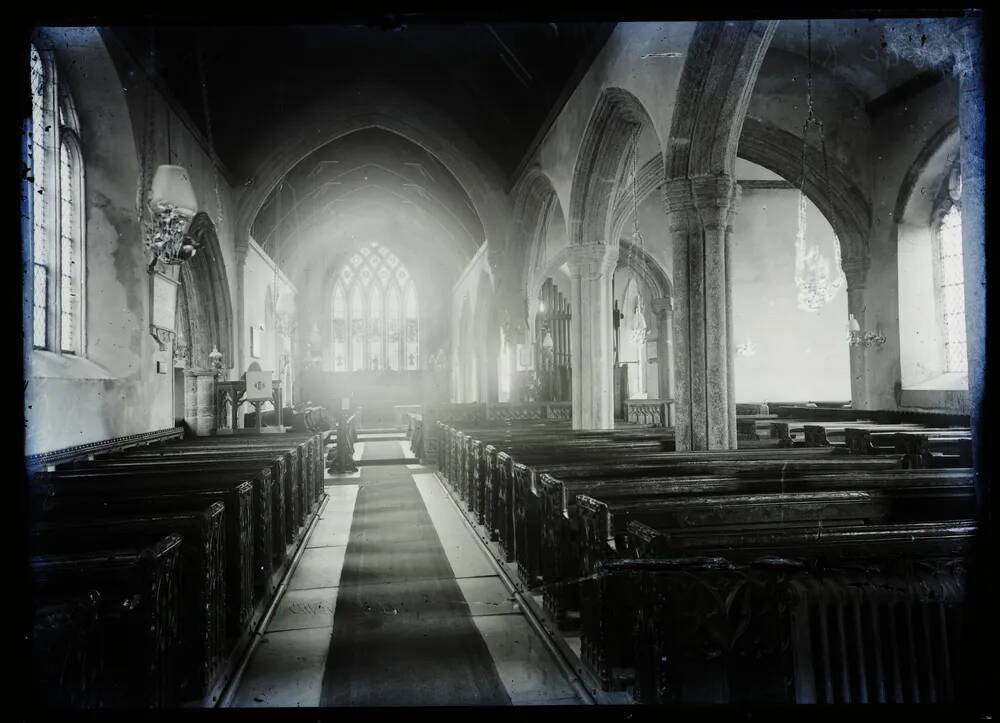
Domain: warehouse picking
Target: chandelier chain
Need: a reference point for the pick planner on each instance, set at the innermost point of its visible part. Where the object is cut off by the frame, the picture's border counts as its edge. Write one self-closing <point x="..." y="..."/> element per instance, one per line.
<point x="148" y="137"/>
<point x="208" y="128"/>
<point x="812" y="121"/>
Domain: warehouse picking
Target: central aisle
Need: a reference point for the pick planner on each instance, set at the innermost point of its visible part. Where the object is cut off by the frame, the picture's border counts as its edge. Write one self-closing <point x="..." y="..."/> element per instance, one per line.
<point x="394" y="602"/>
<point x="402" y="632"/>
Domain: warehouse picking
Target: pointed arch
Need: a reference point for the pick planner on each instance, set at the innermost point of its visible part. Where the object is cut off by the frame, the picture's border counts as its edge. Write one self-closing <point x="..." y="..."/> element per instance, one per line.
<point x="208" y="301"/>
<point x="617" y="115"/>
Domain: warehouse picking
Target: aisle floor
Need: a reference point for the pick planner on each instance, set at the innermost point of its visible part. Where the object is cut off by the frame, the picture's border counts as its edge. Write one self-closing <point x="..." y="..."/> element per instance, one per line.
<point x="495" y="660"/>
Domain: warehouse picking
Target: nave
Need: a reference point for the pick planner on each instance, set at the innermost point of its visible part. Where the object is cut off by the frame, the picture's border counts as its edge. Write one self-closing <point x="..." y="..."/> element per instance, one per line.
<point x="394" y="602"/>
<point x="684" y="321"/>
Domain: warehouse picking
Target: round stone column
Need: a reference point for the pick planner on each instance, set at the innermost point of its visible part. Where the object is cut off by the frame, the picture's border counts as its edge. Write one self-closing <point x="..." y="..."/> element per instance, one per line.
<point x="199" y="401"/>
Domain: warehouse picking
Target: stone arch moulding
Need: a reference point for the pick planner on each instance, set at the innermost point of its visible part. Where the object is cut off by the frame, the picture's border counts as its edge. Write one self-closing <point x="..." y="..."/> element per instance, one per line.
<point x="945" y="136"/>
<point x="640" y="262"/>
<point x="535" y="199"/>
<point x="719" y="75"/>
<point x="615" y="117"/>
<point x="650" y="177"/>
<point x="829" y="186"/>
<point x="483" y="337"/>
<point x="206" y="292"/>
<point x="391" y="109"/>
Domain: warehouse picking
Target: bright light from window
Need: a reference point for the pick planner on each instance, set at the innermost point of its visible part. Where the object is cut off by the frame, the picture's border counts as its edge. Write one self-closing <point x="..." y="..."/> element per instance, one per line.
<point x="951" y="282"/>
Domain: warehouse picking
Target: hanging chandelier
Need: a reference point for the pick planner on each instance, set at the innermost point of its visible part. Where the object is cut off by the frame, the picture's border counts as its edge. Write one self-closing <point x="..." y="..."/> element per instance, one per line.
<point x="817" y="282"/>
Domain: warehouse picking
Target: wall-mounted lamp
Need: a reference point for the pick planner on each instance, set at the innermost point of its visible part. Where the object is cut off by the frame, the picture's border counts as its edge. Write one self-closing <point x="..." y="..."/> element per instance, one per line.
<point x="172" y="205"/>
<point x="215" y="359"/>
<point x="857" y="337"/>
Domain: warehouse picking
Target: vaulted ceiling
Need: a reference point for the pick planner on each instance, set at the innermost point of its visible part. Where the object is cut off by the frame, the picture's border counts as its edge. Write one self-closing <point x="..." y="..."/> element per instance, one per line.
<point x="373" y="168"/>
<point x="496" y="81"/>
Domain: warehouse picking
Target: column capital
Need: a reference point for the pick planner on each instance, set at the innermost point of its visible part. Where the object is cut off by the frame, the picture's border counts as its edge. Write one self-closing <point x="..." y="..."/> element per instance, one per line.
<point x="734" y="205"/>
<point x="716" y="195"/>
<point x="591" y="261"/>
<point x="856" y="271"/>
<point x="662" y="306"/>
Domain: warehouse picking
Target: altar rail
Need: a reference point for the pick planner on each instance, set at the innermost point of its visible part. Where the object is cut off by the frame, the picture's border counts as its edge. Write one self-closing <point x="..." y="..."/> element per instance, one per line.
<point x="655" y="412"/>
<point x="47" y="460"/>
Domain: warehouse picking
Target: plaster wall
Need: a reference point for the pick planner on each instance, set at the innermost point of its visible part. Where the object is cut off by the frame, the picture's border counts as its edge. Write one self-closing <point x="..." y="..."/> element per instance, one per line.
<point x="619" y="64"/>
<point x="899" y="135"/>
<point x="780" y="99"/>
<point x="797" y="355"/>
<point x="260" y="280"/>
<point x="115" y="388"/>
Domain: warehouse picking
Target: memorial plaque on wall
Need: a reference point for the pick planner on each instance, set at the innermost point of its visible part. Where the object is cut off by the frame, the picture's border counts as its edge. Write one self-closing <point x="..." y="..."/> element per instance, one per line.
<point x="163" y="302"/>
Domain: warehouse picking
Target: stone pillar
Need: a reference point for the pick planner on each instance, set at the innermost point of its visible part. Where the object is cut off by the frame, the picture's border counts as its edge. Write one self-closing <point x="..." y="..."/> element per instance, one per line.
<point x="199" y="401"/>
<point x="699" y="211"/>
<point x="856" y="271"/>
<point x="591" y="268"/>
<point x="734" y="206"/>
<point x="191" y="400"/>
<point x="664" y="310"/>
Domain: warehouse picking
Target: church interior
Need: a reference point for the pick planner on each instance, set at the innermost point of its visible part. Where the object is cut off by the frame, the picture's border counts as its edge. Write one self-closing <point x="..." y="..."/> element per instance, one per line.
<point x="418" y="362"/>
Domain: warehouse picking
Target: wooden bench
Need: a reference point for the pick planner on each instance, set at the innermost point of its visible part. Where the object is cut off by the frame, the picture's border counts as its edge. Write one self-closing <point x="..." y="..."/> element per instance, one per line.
<point x="68" y="663"/>
<point x="551" y="489"/>
<point x="776" y="631"/>
<point x="309" y="448"/>
<point x="289" y="465"/>
<point x="624" y="617"/>
<point x="286" y="483"/>
<point x="56" y="497"/>
<point x="171" y="473"/>
<point x="202" y="624"/>
<point x="139" y="589"/>
<point x="602" y="523"/>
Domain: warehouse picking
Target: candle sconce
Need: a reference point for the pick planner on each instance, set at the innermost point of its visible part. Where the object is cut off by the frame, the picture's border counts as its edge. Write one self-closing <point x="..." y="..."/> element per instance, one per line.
<point x="857" y="337"/>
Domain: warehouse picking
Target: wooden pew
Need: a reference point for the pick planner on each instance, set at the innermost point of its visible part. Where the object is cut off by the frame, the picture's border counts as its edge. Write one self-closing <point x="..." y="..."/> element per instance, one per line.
<point x="309" y="448"/>
<point x="67" y="652"/>
<point x="54" y="496"/>
<point x="777" y="630"/>
<point x="202" y="581"/>
<point x="600" y="521"/>
<point x="181" y="472"/>
<point x="551" y="489"/>
<point x="139" y="588"/>
<point x="949" y="447"/>
<point x="284" y="489"/>
<point x="458" y="441"/>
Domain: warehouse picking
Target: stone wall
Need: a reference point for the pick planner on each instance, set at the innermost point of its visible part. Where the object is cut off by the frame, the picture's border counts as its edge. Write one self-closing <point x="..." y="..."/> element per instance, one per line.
<point x="114" y="388"/>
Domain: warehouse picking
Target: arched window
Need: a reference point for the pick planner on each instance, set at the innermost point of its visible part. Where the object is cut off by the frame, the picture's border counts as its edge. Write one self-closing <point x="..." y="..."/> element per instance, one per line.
<point x="339" y="330"/>
<point x="950" y="287"/>
<point x="57" y="212"/>
<point x="375" y="317"/>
